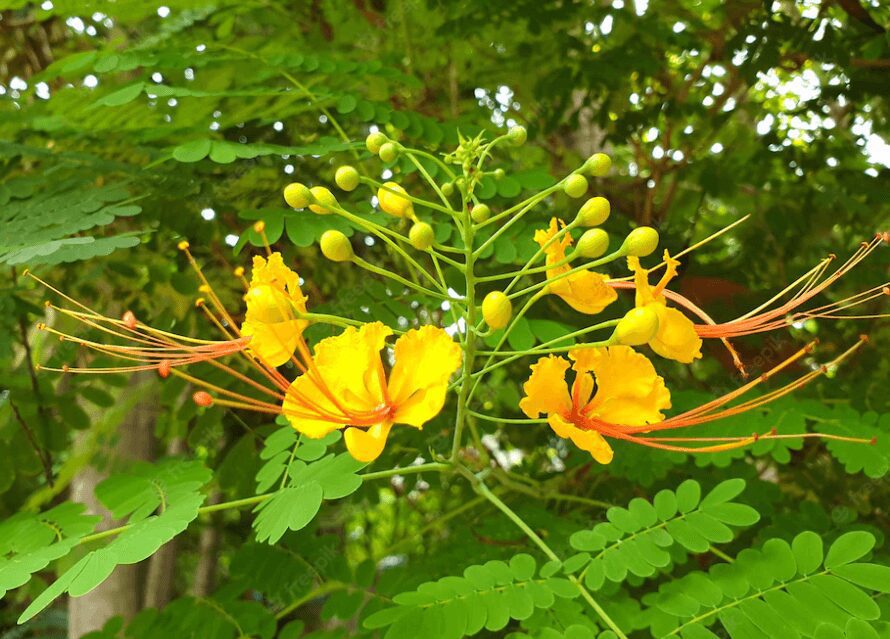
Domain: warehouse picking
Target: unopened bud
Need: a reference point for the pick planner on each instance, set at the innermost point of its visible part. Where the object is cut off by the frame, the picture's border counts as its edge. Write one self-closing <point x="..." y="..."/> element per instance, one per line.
<point x="322" y="198"/>
<point x="517" y="135"/>
<point x="421" y="236"/>
<point x="375" y="140"/>
<point x="202" y="398"/>
<point x="346" y="178"/>
<point x="594" y="212"/>
<point x="297" y="195"/>
<point x="389" y="152"/>
<point x="335" y="246"/>
<point x="637" y="327"/>
<point x="598" y="164"/>
<point x="575" y="185"/>
<point x="448" y="189"/>
<point x="640" y="242"/>
<point x="497" y="309"/>
<point x="392" y="199"/>
<point x="594" y="243"/>
<point x="499" y="174"/>
<point x="480" y="213"/>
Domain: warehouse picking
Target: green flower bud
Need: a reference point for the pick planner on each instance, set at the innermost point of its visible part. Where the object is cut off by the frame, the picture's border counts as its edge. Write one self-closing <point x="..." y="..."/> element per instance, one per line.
<point x="499" y="174"/>
<point x="637" y="327"/>
<point x="640" y="242"/>
<point x="448" y="189"/>
<point x="297" y="195"/>
<point x="594" y="212"/>
<point x="480" y="213"/>
<point x="497" y="309"/>
<point x="389" y="152"/>
<point x="517" y="135"/>
<point x="322" y="198"/>
<point x="575" y="185"/>
<point x="593" y="243"/>
<point x="598" y="164"/>
<point x="421" y="236"/>
<point x="335" y="246"/>
<point x="346" y="178"/>
<point x="374" y="141"/>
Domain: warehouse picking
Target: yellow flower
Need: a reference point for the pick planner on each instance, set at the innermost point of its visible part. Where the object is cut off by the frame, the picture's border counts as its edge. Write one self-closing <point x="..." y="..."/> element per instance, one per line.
<point x="274" y="300"/>
<point x="676" y="337"/>
<point x="346" y="385"/>
<point x="629" y="394"/>
<point x="585" y="291"/>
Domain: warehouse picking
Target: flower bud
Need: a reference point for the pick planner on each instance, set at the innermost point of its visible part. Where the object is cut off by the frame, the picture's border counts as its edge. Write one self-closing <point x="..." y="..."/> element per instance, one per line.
<point x="598" y="164"/>
<point x="593" y="243"/>
<point x="297" y="195"/>
<point x="499" y="174"/>
<point x="392" y="200"/>
<point x="335" y="246"/>
<point x="374" y="141"/>
<point x="640" y="242"/>
<point x="346" y="178"/>
<point x="637" y="327"/>
<point x="448" y="189"/>
<point x="594" y="212"/>
<point x="421" y="236"/>
<point x="322" y="198"/>
<point x="497" y="309"/>
<point x="575" y="185"/>
<point x="480" y="213"/>
<point x="517" y="135"/>
<point x="389" y="152"/>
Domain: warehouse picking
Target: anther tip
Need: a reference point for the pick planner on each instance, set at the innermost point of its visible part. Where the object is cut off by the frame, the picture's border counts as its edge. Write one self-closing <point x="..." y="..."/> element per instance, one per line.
<point x="755" y="436"/>
<point x="832" y="256"/>
<point x="873" y="441"/>
<point x="47" y="304"/>
<point x="885" y="236"/>
<point x="886" y="290"/>
<point x="823" y="368"/>
<point x="183" y="245"/>
<point x="202" y="398"/>
<point x="26" y="272"/>
<point x="41" y="326"/>
<point x="164" y="370"/>
<point x="204" y="288"/>
<point x="199" y="302"/>
<point x="259" y="226"/>
<point x="129" y="319"/>
<point x="65" y="368"/>
<point x="239" y="271"/>
<point x="863" y="338"/>
<point x="773" y="431"/>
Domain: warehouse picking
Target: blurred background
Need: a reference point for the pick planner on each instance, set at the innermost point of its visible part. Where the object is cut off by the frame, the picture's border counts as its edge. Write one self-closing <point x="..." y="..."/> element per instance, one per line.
<point x="126" y="126"/>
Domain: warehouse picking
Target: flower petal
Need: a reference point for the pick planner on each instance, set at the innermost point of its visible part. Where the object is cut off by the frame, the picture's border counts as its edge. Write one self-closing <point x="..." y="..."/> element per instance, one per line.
<point x="629" y="391"/>
<point x="351" y="367"/>
<point x="546" y="390"/>
<point x="676" y="337"/>
<point x="589" y="440"/>
<point x="273" y="343"/>
<point x="365" y="445"/>
<point x="425" y="359"/>
<point x="303" y="400"/>
<point x="585" y="291"/>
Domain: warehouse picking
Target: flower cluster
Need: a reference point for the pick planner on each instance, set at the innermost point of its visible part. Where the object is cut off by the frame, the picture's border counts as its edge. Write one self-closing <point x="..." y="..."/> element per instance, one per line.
<point x="346" y="383"/>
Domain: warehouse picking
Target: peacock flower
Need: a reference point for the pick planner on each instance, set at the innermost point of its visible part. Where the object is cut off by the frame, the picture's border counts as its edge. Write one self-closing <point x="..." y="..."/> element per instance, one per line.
<point x="676" y="337"/>
<point x="350" y="388"/>
<point x="585" y="291"/>
<point x="617" y="394"/>
<point x="274" y="305"/>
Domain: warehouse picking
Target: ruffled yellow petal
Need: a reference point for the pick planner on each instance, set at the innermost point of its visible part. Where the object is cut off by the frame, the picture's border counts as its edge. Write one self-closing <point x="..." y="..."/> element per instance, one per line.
<point x="274" y="300"/>
<point x="676" y="337"/>
<point x="304" y="397"/>
<point x="425" y="359"/>
<point x="628" y="390"/>
<point x="588" y="440"/>
<point x="546" y="390"/>
<point x="351" y="367"/>
<point x="365" y="445"/>
<point x="585" y="291"/>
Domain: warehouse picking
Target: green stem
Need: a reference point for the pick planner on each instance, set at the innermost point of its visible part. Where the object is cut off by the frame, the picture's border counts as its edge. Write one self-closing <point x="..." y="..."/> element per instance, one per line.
<point x="407" y="470"/>
<point x="398" y="278"/>
<point x="483" y="490"/>
<point x="534" y="201"/>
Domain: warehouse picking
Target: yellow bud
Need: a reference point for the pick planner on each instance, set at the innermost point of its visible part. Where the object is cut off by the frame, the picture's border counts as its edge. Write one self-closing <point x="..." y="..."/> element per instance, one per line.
<point x="598" y="164"/>
<point x="335" y="246"/>
<point x="392" y="200"/>
<point x="637" y="327"/>
<point x="346" y="178"/>
<point x="389" y="152"/>
<point x="497" y="309"/>
<point x="640" y="242"/>
<point x="480" y="213"/>
<point x="593" y="243"/>
<point x="297" y="195"/>
<point x="375" y="140"/>
<point x="322" y="199"/>
<point x="575" y="185"/>
<point x="594" y="212"/>
<point x="421" y="236"/>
